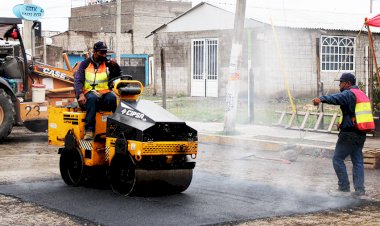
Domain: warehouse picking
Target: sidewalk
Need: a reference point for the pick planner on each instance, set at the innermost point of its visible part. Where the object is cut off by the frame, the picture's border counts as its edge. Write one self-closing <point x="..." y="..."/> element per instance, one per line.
<point x="273" y="138"/>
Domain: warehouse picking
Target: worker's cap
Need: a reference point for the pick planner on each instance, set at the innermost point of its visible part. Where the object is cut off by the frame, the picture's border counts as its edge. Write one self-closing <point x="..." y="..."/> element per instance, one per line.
<point x="100" y="46"/>
<point x="347" y="77"/>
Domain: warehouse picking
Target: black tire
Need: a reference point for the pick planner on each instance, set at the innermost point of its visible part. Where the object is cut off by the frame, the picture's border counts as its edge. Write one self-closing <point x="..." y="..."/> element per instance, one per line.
<point x="37" y="125"/>
<point x="122" y="175"/>
<point x="7" y="114"/>
<point x="71" y="166"/>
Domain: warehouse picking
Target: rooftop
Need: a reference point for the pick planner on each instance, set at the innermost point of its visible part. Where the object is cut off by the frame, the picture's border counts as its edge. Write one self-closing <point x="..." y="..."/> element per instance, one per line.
<point x="310" y="19"/>
<point x="205" y="16"/>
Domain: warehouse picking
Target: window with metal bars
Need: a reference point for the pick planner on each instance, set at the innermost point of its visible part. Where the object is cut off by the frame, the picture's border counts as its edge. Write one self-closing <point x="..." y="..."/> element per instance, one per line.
<point x="337" y="53"/>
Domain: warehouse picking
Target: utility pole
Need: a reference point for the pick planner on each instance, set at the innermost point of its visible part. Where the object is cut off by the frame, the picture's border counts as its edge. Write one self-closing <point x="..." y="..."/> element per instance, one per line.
<point x="234" y="68"/>
<point x="370" y="6"/>
<point x="250" y="102"/>
<point x="27" y="33"/>
<point x="163" y="77"/>
<point x="118" y="29"/>
<point x="45" y="52"/>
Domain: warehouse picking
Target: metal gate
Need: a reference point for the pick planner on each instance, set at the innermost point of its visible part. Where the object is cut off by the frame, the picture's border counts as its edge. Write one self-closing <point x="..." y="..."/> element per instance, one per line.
<point x="204" y="67"/>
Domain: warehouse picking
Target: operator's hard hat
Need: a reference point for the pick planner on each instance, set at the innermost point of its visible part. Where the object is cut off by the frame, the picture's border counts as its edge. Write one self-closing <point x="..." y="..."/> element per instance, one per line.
<point x="100" y="46"/>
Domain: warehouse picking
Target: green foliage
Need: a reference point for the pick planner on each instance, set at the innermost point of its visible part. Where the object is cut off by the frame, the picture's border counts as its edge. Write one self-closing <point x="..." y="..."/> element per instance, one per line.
<point x="376" y="96"/>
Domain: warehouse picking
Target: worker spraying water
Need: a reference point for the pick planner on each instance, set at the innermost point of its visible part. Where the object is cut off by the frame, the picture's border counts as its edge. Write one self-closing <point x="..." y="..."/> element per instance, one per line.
<point x="356" y="120"/>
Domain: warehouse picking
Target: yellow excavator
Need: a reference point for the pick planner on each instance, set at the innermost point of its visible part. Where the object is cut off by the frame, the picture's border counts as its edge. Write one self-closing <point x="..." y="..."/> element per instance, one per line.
<point x="22" y="79"/>
<point x="141" y="147"/>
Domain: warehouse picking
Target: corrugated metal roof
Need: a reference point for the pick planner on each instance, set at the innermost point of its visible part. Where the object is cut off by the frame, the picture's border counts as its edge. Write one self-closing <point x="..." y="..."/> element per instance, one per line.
<point x="215" y="16"/>
<point x="311" y="19"/>
<point x="296" y="18"/>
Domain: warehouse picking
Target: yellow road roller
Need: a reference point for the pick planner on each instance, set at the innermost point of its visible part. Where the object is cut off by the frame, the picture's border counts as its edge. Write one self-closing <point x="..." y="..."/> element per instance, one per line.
<point x="140" y="148"/>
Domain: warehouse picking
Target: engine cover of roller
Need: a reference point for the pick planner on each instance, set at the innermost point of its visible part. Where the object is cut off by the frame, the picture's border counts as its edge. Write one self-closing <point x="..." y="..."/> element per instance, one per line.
<point x="150" y="130"/>
<point x="149" y="149"/>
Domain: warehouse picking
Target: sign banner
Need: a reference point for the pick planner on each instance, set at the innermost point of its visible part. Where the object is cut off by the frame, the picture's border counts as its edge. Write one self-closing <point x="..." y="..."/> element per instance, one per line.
<point x="28" y="11"/>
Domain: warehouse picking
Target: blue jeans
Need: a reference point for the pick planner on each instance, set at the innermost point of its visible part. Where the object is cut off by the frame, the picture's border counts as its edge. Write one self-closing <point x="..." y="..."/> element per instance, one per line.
<point x="94" y="103"/>
<point x="350" y="144"/>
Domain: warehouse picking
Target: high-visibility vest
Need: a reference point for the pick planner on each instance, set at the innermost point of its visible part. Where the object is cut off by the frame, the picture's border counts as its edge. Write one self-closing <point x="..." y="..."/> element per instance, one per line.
<point x="363" y="119"/>
<point x="96" y="79"/>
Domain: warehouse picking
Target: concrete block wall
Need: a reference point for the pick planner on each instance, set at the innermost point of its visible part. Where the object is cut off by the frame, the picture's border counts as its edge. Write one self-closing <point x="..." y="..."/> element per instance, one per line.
<point x="101" y="17"/>
<point x="290" y="61"/>
<point x="361" y="69"/>
<point x="54" y="55"/>
<point x="149" y="15"/>
<point x="84" y="41"/>
<point x="177" y="48"/>
<point x="298" y="48"/>
<point x="139" y="16"/>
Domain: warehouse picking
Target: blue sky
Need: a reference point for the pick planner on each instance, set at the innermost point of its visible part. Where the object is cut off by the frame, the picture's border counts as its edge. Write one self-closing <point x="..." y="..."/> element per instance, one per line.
<point x="57" y="11"/>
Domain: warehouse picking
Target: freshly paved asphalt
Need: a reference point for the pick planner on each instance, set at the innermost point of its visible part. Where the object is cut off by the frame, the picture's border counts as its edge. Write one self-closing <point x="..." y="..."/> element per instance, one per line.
<point x="210" y="199"/>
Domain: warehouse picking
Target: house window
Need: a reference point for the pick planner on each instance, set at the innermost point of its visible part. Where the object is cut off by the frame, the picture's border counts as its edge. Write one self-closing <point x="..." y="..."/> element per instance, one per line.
<point x="337" y="53"/>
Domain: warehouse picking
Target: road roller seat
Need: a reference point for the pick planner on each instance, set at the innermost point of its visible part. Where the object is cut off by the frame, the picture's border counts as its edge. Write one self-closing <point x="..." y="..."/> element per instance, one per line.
<point x="128" y="89"/>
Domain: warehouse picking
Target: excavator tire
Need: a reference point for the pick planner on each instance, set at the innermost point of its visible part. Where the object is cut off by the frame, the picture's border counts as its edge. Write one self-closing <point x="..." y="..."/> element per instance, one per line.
<point x="7" y="114"/>
<point x="71" y="166"/>
<point x="126" y="179"/>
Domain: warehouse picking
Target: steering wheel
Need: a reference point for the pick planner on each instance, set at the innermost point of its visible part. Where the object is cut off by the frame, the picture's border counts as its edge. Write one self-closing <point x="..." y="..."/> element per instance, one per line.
<point x="122" y="77"/>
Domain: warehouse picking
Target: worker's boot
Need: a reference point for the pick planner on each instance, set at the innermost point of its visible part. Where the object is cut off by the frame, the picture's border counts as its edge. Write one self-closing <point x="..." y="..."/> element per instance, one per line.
<point x="359" y="193"/>
<point x="88" y="135"/>
<point x="340" y="192"/>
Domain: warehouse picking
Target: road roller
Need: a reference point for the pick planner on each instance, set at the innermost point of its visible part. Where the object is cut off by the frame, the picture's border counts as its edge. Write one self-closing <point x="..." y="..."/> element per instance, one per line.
<point x="141" y="148"/>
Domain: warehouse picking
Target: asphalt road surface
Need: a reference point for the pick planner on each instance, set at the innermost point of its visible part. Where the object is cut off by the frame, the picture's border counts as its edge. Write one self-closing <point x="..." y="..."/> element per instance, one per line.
<point x="226" y="187"/>
<point x="211" y="199"/>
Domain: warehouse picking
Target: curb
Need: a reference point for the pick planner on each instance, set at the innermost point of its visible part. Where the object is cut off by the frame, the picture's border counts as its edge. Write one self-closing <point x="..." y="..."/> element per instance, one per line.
<point x="267" y="145"/>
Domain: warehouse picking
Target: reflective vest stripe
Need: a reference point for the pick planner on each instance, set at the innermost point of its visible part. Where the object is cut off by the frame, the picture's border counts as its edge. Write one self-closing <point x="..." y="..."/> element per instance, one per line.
<point x="96" y="79"/>
<point x="363" y="112"/>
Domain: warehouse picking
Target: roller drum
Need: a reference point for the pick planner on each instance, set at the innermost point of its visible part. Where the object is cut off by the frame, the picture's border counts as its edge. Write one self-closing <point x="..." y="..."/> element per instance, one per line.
<point x="126" y="179"/>
<point x="159" y="182"/>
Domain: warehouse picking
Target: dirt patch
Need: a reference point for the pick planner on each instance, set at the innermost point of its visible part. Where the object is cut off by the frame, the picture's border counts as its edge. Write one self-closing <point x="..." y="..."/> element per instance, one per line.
<point x="363" y="215"/>
<point x="14" y="211"/>
<point x="26" y="157"/>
